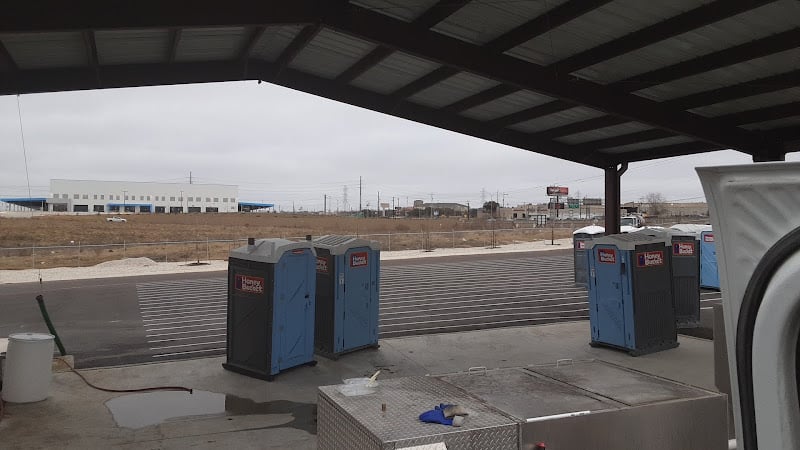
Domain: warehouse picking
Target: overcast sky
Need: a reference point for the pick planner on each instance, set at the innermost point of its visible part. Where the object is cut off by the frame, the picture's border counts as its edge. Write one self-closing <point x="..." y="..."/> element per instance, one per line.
<point x="283" y="146"/>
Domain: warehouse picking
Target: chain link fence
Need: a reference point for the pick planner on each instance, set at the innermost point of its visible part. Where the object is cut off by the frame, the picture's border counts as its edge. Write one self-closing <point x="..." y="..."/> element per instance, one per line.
<point x="79" y="254"/>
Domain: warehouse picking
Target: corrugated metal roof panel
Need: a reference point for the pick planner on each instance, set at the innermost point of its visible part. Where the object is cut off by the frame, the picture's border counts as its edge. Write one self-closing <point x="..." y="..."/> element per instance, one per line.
<point x="399" y="9"/>
<point x="480" y="22"/>
<point x="752" y="102"/>
<point x="331" y="53"/>
<point x="273" y="41"/>
<point x="46" y="50"/>
<point x="602" y="133"/>
<point x="506" y="105"/>
<point x="777" y="123"/>
<point x="453" y="89"/>
<point x="555" y="120"/>
<point x="604" y="24"/>
<point x="132" y="46"/>
<point x="648" y="144"/>
<point x="209" y="44"/>
<point x="726" y="76"/>
<point x="394" y="72"/>
<point x="758" y="23"/>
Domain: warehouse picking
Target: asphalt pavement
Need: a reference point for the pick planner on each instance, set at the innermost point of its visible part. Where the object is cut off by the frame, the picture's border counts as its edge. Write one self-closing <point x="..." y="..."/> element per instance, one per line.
<point x="158" y="318"/>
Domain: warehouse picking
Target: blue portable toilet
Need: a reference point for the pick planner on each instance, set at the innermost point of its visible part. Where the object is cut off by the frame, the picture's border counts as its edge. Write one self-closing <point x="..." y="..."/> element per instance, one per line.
<point x="630" y="294"/>
<point x="709" y="272"/>
<point x="580" y="259"/>
<point x="347" y="303"/>
<point x="271" y="288"/>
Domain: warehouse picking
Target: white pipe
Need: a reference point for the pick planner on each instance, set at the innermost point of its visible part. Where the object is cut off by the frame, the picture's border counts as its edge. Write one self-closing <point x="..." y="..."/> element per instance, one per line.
<point x="557" y="416"/>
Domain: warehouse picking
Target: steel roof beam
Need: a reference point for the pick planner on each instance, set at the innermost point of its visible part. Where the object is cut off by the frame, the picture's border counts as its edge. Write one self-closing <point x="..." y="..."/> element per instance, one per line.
<point x="763" y="85"/>
<point x="252" y="40"/>
<point x="625" y="139"/>
<point x="117" y="76"/>
<point x="174" y="40"/>
<point x="723" y="58"/>
<point x="459" y="55"/>
<point x="666" y="151"/>
<point x="760" y="86"/>
<point x="56" y="15"/>
<point x="501" y="90"/>
<point x="762" y="114"/>
<point x="738" y="118"/>
<point x="580" y="127"/>
<point x="547" y="21"/>
<point x="682" y="23"/>
<point x="7" y="63"/>
<point x="435" y="14"/>
<point x="294" y="48"/>
<point x="91" y="48"/>
<point x="758" y="48"/>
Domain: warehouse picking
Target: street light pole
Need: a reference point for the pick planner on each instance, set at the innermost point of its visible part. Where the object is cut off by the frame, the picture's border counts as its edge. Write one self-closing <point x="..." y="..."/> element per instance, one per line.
<point x="180" y="199"/>
<point x="124" y="198"/>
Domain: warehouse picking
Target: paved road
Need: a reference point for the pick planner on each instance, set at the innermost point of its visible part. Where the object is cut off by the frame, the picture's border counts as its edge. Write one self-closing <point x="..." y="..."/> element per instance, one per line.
<point x="132" y="320"/>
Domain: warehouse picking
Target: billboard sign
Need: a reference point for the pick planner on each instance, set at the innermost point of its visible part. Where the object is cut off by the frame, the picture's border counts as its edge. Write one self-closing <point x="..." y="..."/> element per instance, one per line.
<point x="592" y="202"/>
<point x="557" y="190"/>
<point x="553" y="205"/>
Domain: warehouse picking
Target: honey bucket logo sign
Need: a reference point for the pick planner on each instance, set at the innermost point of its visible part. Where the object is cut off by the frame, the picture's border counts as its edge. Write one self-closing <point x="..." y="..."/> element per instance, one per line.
<point x="683" y="248"/>
<point x="322" y="265"/>
<point x="650" y="259"/>
<point x="250" y="285"/>
<point x="708" y="238"/>
<point x="607" y="255"/>
<point x="360" y="259"/>
<point x="580" y="245"/>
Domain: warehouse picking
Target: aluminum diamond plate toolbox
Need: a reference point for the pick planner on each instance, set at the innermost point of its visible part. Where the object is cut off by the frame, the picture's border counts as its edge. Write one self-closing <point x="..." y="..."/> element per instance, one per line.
<point x="359" y="422"/>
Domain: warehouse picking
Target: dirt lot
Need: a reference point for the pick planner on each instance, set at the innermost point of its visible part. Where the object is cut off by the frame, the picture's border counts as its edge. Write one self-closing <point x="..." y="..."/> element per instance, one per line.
<point x="90" y="239"/>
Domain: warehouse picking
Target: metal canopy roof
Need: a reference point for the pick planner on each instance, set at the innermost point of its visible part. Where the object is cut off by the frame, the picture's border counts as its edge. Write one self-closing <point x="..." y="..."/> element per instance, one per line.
<point x="598" y="82"/>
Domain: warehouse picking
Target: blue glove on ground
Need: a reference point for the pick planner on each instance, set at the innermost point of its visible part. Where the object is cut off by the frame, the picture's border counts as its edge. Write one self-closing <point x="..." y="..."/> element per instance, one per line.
<point x="435" y="415"/>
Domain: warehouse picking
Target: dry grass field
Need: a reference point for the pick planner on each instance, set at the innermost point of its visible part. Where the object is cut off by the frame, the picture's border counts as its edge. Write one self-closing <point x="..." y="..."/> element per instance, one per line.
<point x="90" y="239"/>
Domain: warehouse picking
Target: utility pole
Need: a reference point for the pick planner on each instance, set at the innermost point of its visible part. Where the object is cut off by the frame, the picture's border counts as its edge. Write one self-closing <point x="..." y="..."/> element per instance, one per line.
<point x="324" y="204"/>
<point x="504" y="199"/>
<point x="359" y="195"/>
<point x="379" y="203"/>
<point x="190" y="177"/>
<point x="292" y="207"/>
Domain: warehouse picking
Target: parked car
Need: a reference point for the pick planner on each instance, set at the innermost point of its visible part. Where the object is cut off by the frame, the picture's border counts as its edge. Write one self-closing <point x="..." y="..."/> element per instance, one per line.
<point x="115" y="219"/>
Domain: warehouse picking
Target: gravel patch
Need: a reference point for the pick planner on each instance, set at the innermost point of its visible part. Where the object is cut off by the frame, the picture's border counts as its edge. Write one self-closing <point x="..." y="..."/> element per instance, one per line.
<point x="145" y="266"/>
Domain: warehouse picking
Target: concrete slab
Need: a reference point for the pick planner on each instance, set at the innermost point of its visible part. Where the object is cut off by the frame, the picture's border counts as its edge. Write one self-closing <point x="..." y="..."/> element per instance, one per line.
<point x="281" y="414"/>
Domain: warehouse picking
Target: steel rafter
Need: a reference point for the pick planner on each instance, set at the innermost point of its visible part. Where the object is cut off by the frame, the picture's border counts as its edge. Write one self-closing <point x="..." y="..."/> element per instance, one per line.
<point x="682" y="23"/>
<point x="294" y="48"/>
<point x="459" y="55"/>
<point x="174" y="41"/>
<point x="723" y="58"/>
<point x="547" y="21"/>
<point x="56" y="15"/>
<point x="435" y="14"/>
<point x="68" y="79"/>
<point x="252" y="40"/>
<point x="7" y="63"/>
<point x="666" y="151"/>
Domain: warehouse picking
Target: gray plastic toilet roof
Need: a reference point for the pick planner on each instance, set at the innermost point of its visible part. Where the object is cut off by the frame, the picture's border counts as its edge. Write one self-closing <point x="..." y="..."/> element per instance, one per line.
<point x="627" y="241"/>
<point x="269" y="250"/>
<point x="338" y="245"/>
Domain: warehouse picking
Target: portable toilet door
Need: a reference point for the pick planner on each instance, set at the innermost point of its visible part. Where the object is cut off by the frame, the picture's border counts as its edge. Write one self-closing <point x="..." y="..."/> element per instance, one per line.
<point x="360" y="314"/>
<point x="709" y="272"/>
<point x="295" y="284"/>
<point x="608" y="285"/>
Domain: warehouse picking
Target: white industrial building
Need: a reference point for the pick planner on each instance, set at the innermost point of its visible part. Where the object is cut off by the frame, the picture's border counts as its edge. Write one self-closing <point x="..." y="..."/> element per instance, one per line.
<point x="141" y="197"/>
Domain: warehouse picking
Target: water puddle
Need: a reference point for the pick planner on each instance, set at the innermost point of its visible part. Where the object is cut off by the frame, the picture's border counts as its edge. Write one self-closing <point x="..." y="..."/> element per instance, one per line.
<point x="152" y="408"/>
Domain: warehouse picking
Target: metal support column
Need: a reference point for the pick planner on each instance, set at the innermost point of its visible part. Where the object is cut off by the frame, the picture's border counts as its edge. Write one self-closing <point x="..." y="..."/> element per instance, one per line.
<point x="613" y="175"/>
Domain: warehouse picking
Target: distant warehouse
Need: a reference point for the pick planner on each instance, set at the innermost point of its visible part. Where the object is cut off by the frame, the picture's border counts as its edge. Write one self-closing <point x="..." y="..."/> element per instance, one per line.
<point x="87" y="196"/>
